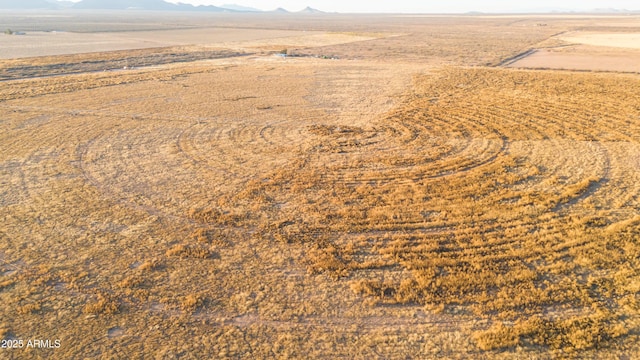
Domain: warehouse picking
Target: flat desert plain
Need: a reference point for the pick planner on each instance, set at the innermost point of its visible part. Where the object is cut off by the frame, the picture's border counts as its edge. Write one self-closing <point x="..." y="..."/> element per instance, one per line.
<point x="174" y="186"/>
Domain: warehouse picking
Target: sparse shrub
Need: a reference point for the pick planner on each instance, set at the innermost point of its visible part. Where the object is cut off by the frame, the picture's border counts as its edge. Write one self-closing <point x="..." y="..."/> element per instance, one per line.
<point x="205" y="215"/>
<point x="6" y="283"/>
<point x="211" y="236"/>
<point x="217" y="216"/>
<point x="375" y="288"/>
<point x="103" y="304"/>
<point x="191" y="302"/>
<point x="330" y="260"/>
<point x="149" y="265"/>
<point x="193" y="251"/>
<point x="574" y="333"/>
<point x="28" y="308"/>
<point x="130" y="282"/>
<point x="498" y="336"/>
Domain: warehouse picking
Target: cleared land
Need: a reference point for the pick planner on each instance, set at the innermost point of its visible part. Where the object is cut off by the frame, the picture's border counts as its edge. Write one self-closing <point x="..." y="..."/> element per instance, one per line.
<point x="34" y="44"/>
<point x="614" y="61"/>
<point x="631" y="41"/>
<point x="586" y="51"/>
<point x="388" y="192"/>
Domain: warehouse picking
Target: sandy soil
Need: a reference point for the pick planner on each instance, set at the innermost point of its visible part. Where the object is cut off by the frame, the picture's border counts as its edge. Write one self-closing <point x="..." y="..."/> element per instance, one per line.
<point x="35" y="44"/>
<point x="627" y="40"/>
<point x="58" y="43"/>
<point x="587" y="51"/>
<point x="550" y="59"/>
<point x="405" y="198"/>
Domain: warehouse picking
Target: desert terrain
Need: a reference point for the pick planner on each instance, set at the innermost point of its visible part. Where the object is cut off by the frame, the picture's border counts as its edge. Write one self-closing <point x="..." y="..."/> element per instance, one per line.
<point x="174" y="187"/>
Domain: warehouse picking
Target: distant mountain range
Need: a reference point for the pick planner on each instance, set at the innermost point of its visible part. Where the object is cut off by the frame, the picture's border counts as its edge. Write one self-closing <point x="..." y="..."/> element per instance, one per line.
<point x="240" y="8"/>
<point x="34" y="4"/>
<point x="141" y="5"/>
<point x="167" y="6"/>
<point x="310" y="10"/>
<point x="159" y="5"/>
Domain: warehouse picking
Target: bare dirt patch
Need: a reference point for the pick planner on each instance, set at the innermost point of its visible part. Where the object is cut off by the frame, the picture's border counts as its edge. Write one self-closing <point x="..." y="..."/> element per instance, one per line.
<point x="580" y="60"/>
<point x="626" y="40"/>
<point x="60" y="43"/>
<point x="585" y="51"/>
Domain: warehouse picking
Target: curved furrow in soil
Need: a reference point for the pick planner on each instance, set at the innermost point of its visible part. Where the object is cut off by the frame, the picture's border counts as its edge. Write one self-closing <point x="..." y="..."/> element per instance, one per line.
<point x="508" y="216"/>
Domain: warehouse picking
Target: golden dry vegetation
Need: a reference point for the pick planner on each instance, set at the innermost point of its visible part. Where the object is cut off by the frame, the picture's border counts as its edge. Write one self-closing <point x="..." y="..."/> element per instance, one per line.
<point x="405" y="199"/>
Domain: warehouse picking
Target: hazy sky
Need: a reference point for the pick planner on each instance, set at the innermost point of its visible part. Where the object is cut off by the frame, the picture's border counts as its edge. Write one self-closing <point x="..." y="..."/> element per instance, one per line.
<point x="455" y="6"/>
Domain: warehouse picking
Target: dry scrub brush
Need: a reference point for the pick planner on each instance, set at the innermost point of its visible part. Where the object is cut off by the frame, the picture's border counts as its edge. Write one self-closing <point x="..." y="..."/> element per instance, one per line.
<point x="437" y="191"/>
